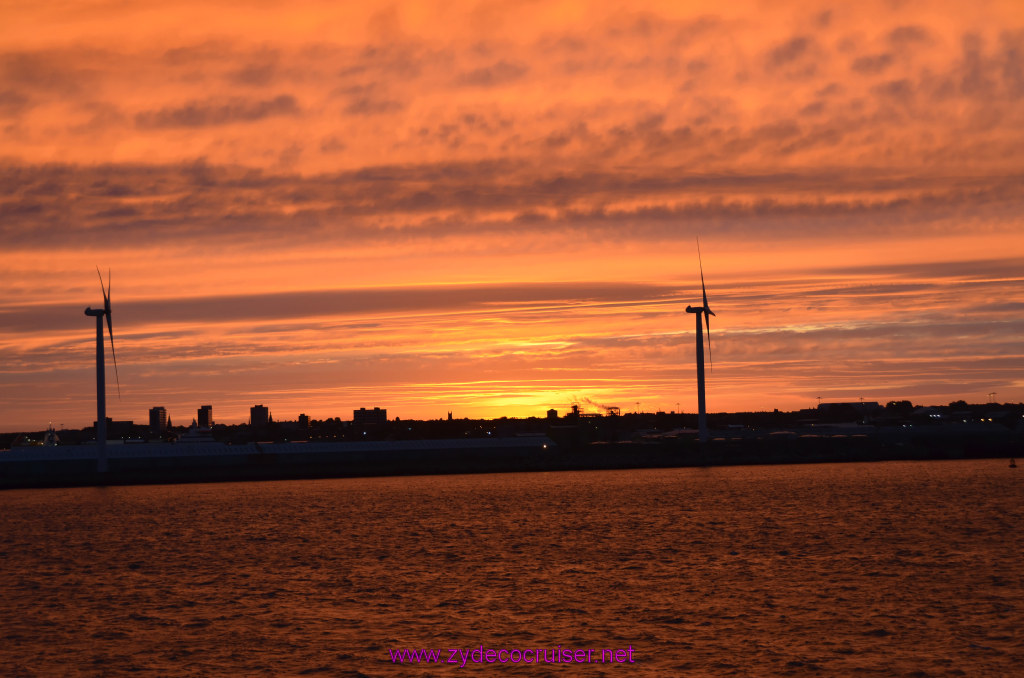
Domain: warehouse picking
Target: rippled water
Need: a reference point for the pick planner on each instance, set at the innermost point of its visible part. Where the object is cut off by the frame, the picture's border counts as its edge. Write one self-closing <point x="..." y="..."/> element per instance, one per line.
<point x="900" y="568"/>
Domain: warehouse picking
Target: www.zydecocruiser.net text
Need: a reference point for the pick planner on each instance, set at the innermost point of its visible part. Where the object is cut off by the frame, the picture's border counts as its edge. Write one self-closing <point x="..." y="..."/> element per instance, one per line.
<point x="462" y="657"/>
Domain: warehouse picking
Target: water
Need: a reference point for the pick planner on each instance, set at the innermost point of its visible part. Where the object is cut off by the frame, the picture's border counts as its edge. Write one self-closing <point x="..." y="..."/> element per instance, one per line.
<point x="888" y="569"/>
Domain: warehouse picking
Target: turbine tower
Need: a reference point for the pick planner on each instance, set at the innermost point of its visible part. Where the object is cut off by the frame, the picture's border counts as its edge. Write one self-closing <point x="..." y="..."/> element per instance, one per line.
<point x="101" y="391"/>
<point x="705" y="310"/>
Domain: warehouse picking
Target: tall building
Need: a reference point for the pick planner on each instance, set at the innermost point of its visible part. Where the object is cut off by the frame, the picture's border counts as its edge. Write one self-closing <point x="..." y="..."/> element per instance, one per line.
<point x="303" y="421"/>
<point x="259" y="415"/>
<point x="363" y="416"/>
<point x="206" y="416"/>
<point x="157" y="420"/>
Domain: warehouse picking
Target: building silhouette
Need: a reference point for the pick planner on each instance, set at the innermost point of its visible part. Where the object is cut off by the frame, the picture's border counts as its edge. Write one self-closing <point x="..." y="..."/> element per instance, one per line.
<point x="157" y="420"/>
<point x="205" y="418"/>
<point x="259" y="416"/>
<point x="117" y="429"/>
<point x="365" y="417"/>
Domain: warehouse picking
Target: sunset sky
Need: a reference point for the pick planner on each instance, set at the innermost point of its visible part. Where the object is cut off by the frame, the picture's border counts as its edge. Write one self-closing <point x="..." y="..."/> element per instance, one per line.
<point x="491" y="208"/>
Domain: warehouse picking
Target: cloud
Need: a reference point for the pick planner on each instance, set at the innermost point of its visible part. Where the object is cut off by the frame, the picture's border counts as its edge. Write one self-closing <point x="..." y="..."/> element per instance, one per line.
<point x="793" y="49"/>
<point x="332" y="144"/>
<point x="49" y="71"/>
<point x="257" y="71"/>
<point x="13" y="103"/>
<point x="979" y="269"/>
<point x="371" y="106"/>
<point x="872" y="64"/>
<point x="906" y="36"/>
<point x="217" y="112"/>
<point x="499" y="73"/>
<point x="1013" y="62"/>
<point x="272" y="307"/>
<point x="899" y="90"/>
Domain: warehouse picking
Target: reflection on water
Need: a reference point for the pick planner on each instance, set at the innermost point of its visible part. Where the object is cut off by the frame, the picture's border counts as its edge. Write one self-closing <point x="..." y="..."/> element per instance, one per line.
<point x="900" y="568"/>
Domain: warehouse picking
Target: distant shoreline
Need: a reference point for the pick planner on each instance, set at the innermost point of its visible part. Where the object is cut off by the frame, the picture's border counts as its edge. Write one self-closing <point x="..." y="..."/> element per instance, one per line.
<point x="75" y="466"/>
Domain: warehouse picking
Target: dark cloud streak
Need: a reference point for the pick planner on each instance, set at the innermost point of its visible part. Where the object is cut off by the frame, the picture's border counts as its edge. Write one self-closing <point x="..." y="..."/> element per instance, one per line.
<point x="289" y="306"/>
<point x="217" y="112"/>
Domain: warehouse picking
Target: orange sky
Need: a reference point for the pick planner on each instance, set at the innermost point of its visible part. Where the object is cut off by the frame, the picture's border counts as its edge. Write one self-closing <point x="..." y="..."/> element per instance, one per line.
<point x="491" y="208"/>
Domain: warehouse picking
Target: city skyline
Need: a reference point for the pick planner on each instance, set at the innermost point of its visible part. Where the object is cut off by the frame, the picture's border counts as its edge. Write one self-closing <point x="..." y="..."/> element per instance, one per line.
<point x="159" y="419"/>
<point x="491" y="209"/>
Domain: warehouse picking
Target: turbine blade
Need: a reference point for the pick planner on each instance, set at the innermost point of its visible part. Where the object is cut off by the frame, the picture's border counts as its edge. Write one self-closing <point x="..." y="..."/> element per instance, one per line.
<point x="110" y="329"/>
<point x="703" y="289"/>
<point x="102" y="288"/>
<point x="707" y="323"/>
<point x="707" y="309"/>
<point x="113" y="353"/>
<point x="701" y="264"/>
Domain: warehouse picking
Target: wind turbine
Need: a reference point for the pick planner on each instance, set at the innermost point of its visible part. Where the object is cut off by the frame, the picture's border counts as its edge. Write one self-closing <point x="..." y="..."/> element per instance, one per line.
<point x="101" y="391"/>
<point x="705" y="310"/>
